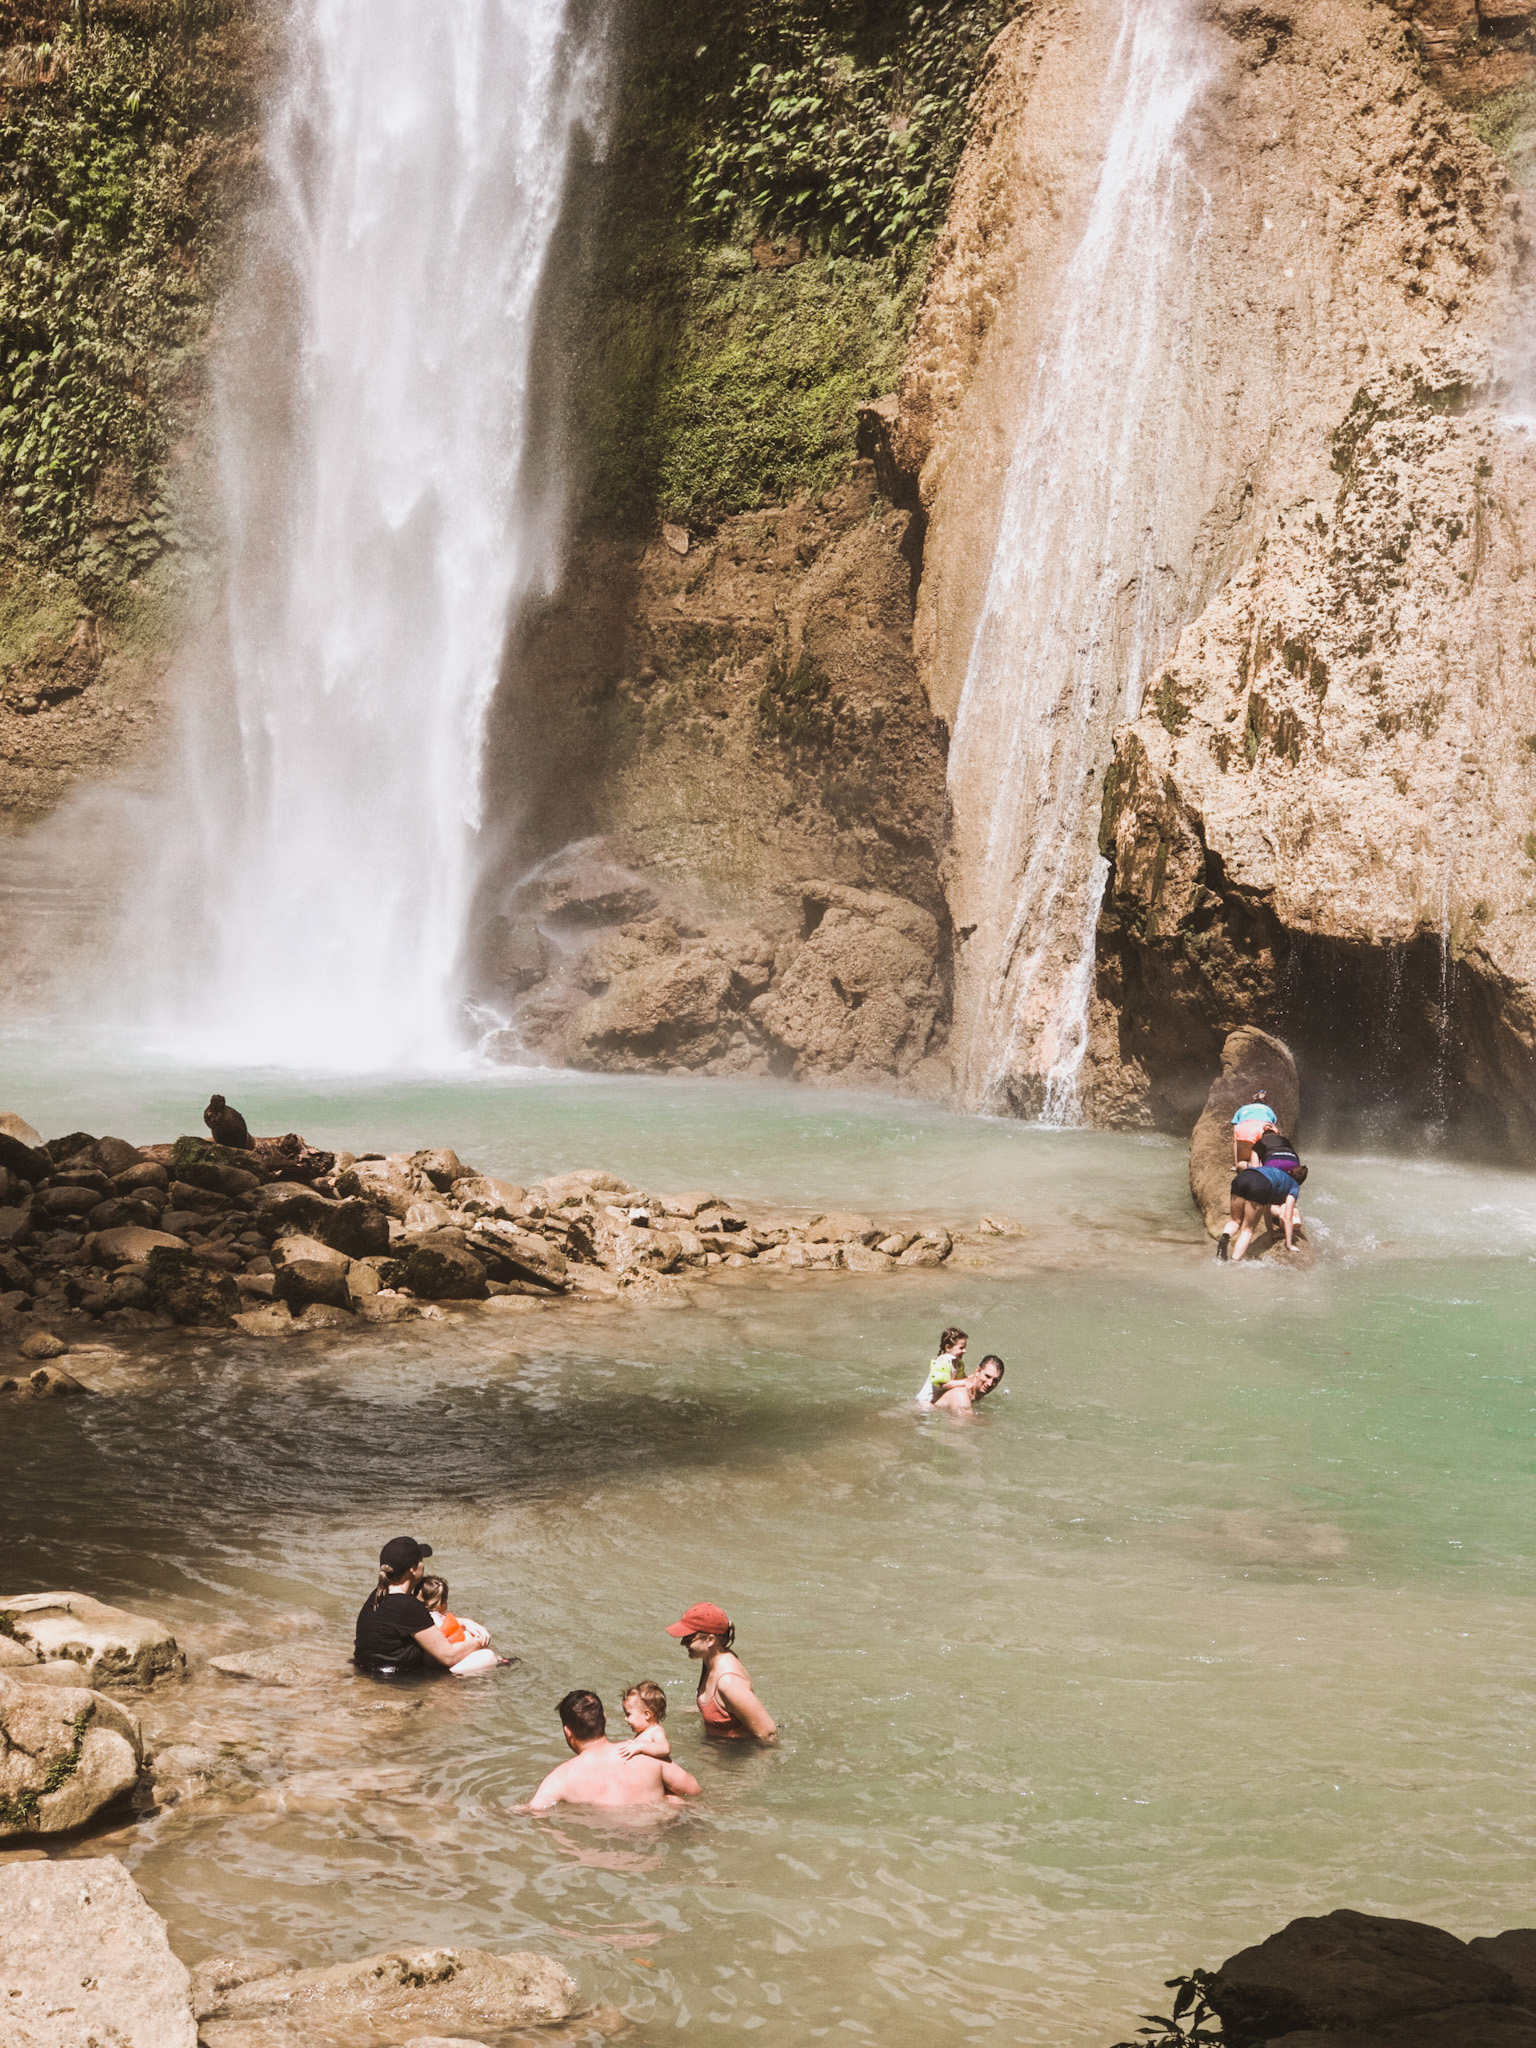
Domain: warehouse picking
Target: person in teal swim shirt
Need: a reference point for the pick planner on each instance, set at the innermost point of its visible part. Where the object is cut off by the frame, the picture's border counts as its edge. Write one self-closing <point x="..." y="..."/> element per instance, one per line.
<point x="945" y="1369"/>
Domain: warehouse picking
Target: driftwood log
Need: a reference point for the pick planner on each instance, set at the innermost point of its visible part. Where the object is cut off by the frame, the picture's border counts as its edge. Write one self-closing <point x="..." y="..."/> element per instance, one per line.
<point x="1251" y="1061"/>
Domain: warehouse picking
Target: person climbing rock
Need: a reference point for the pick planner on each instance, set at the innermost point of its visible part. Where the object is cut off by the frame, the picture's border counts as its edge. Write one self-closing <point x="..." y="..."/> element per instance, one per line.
<point x="226" y="1126"/>
<point x="1270" y="1182"/>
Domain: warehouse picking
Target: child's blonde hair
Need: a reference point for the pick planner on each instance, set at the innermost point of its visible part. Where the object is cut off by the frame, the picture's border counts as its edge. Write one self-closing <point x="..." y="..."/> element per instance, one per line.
<point x="650" y="1695"/>
<point x="434" y="1592"/>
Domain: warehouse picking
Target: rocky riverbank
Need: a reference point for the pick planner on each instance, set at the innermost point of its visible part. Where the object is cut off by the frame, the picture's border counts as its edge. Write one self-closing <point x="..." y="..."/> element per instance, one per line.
<point x="282" y="1237"/>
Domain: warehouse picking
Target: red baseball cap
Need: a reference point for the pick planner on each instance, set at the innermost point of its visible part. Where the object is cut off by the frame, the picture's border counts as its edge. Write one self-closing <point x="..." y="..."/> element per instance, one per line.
<point x="702" y="1620"/>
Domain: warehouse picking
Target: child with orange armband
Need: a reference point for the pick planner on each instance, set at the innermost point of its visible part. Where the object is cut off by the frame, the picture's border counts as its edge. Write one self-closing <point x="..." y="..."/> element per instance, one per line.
<point x="434" y="1596"/>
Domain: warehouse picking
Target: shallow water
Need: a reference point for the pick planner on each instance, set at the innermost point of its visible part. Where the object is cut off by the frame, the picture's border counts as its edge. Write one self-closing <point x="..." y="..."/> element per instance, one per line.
<point x="1218" y="1613"/>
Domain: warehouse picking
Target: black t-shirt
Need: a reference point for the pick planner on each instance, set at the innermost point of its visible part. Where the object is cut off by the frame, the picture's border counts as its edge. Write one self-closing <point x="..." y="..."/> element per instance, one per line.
<point x="386" y="1634"/>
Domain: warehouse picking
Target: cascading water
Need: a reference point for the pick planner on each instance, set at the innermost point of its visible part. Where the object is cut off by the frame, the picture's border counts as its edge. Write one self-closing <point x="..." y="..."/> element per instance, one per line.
<point x="381" y="528"/>
<point x="1077" y="602"/>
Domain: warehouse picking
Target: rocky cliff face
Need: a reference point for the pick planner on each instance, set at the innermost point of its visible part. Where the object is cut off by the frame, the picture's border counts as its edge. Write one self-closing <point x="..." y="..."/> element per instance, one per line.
<point x="1316" y="822"/>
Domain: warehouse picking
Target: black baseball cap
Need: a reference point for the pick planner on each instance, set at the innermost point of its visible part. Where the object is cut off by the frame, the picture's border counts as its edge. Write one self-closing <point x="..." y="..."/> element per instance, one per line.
<point x="404" y="1553"/>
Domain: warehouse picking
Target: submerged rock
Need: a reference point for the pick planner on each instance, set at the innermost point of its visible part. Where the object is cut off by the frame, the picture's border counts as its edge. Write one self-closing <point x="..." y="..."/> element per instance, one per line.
<point x="108" y="1645"/>
<point x="385" y="1999"/>
<point x="86" y="1959"/>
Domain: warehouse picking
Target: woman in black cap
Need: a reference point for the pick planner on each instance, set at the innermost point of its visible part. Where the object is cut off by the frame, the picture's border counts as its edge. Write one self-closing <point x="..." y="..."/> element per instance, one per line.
<point x="396" y="1632"/>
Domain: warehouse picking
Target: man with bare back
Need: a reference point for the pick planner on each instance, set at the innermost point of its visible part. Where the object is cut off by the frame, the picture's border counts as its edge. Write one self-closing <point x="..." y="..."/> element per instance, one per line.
<point x="599" y="1774"/>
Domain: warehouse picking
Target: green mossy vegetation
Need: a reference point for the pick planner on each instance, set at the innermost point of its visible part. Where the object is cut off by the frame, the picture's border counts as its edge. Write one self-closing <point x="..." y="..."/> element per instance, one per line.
<point x="756" y="242"/>
<point x="122" y="142"/>
<point x="1507" y="123"/>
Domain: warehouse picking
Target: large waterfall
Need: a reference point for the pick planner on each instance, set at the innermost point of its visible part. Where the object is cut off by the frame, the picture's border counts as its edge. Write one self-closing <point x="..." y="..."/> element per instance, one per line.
<point x="1078" y="599"/>
<point x="381" y="526"/>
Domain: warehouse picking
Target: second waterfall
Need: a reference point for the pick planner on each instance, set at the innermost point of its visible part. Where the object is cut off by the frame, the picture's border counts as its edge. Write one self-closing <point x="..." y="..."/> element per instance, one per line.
<point x="1082" y="593"/>
<point x="381" y="525"/>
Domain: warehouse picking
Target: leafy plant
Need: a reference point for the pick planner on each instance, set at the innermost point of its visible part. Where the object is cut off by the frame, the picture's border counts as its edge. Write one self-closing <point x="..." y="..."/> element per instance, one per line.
<point x="110" y="204"/>
<point x="808" y="133"/>
<point x="1192" y="2021"/>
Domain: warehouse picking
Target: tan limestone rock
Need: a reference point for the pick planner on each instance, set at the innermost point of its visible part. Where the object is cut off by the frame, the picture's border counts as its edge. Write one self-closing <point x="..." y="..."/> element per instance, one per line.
<point x="85" y="1958"/>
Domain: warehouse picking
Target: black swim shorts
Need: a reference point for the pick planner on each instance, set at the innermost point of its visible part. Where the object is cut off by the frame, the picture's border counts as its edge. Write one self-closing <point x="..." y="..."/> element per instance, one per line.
<point x="1251" y="1186"/>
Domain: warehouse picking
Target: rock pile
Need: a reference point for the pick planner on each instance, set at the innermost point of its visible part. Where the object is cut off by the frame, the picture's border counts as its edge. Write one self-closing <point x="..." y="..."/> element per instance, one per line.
<point x="282" y="1237"/>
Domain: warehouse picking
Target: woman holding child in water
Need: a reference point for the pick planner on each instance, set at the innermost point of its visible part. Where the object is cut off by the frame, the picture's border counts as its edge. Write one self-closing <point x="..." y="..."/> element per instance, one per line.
<point x="728" y="1706"/>
<point x="397" y="1632"/>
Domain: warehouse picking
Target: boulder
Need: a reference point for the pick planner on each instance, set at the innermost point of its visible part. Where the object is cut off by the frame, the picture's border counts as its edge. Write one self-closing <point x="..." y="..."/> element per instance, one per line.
<point x="132" y="1244"/>
<point x="118" y="1156"/>
<point x="1348" y="1970"/>
<point x="189" y="1291"/>
<point x="441" y="1167"/>
<point x="390" y="1998"/>
<point x="148" y="1173"/>
<point x="511" y="1254"/>
<point x="86" y="1959"/>
<point x="108" y="1645"/>
<point x="214" y="1976"/>
<point x="271" y="1320"/>
<point x="17" y="1127"/>
<point x="860" y="1258"/>
<point x="63" y="1200"/>
<point x="440" y="1271"/>
<point x="67" y="1752"/>
<point x="20" y="1156"/>
<point x="307" y="1271"/>
<point x="15" y="1226"/>
<point x="1515" y="1954"/>
<point x="861" y="997"/>
<point x="1251" y="1060"/>
<point x="354" y="1227"/>
<point x="480" y="1194"/>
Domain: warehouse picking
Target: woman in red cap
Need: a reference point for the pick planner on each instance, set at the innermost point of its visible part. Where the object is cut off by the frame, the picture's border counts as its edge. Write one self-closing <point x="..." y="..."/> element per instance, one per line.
<point x="727" y="1703"/>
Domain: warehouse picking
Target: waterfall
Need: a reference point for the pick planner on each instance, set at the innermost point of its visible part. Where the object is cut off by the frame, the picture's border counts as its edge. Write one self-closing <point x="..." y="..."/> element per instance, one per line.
<point x="1079" y="600"/>
<point x="381" y="525"/>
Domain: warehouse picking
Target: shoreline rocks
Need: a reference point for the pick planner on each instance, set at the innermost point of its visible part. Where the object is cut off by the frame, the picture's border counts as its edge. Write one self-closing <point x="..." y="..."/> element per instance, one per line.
<point x="283" y="1238"/>
<point x="86" y="1958"/>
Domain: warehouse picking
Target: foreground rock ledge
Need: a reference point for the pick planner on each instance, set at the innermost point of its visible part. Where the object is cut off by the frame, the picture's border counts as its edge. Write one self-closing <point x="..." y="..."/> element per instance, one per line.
<point x="283" y="1237"/>
<point x="1359" y="1980"/>
<point x="85" y="1958"/>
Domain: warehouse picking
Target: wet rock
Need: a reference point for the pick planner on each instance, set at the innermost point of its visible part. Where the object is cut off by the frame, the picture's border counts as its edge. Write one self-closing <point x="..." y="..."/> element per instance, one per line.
<point x="1352" y="1971"/>
<point x="109" y="1645"/>
<point x="323" y="1315"/>
<point x="841" y="1228"/>
<point x="1515" y="1954"/>
<point x="1459" y="2026"/>
<point x="67" y="1752"/>
<point x="26" y="1161"/>
<point x="86" y="1959"/>
<point x="280" y="1667"/>
<point x="271" y="1320"/>
<point x="189" y="1291"/>
<point x="1251" y="1061"/>
<point x="1001" y="1226"/>
<point x="667" y="1002"/>
<point x="47" y="1383"/>
<point x="42" y="1344"/>
<point x="68" y="1199"/>
<point x="386" y="1308"/>
<point x="216" y="1975"/>
<point x="390" y="1998"/>
<point x="517" y="954"/>
<point x="431" y="1214"/>
<point x="861" y="997"/>
<point x="444" y="1272"/>
<point x="132" y="1244"/>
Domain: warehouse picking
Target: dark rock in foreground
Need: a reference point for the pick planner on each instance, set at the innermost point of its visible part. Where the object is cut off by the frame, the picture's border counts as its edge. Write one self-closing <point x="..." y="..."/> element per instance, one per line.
<point x="1358" y="1980"/>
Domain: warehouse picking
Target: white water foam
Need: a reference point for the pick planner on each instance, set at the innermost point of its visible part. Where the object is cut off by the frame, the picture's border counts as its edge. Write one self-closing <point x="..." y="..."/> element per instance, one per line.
<point x="1076" y="606"/>
<point x="381" y="526"/>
